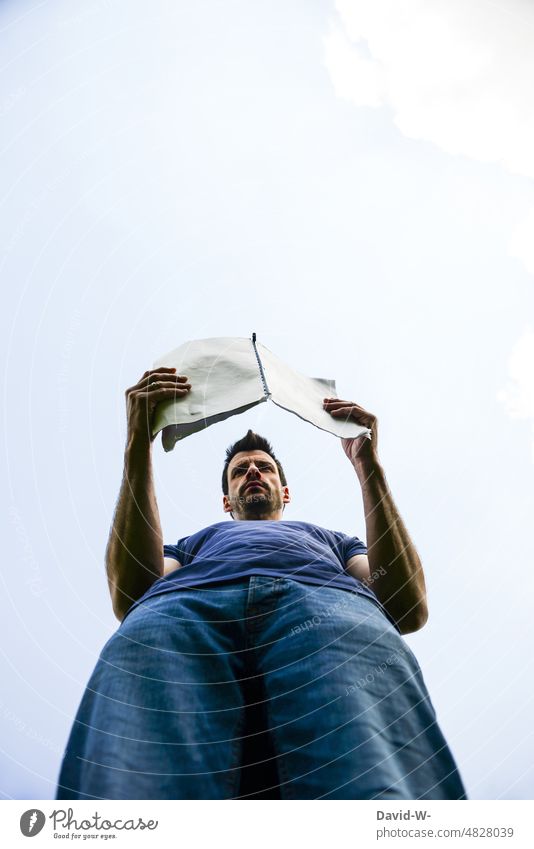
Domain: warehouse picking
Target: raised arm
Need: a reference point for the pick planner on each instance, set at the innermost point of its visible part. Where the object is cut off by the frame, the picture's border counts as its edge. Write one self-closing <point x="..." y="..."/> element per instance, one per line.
<point x="134" y="554"/>
<point x="397" y="574"/>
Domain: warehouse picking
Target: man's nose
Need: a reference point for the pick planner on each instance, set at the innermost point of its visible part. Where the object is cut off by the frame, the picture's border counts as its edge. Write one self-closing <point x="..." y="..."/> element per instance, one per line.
<point x="253" y="471"/>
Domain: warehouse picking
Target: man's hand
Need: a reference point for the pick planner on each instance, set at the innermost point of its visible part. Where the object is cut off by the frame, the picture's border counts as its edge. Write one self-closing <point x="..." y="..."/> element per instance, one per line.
<point x="157" y="385"/>
<point x="359" y="449"/>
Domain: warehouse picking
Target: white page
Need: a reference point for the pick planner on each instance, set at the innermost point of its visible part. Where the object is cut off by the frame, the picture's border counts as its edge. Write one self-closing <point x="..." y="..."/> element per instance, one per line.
<point x="225" y="380"/>
<point x="304" y="396"/>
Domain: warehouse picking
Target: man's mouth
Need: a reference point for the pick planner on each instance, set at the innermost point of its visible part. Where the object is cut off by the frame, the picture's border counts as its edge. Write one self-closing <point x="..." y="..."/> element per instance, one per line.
<point x="249" y="485"/>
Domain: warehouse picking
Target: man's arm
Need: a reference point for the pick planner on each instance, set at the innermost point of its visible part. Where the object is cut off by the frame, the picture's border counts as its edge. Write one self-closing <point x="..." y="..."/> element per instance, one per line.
<point x="134" y="555"/>
<point x="396" y="573"/>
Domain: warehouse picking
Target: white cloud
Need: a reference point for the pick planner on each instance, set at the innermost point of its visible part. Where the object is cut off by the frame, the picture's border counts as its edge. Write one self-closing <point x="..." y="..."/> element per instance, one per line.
<point x="457" y="73"/>
<point x="354" y="76"/>
<point x="518" y="396"/>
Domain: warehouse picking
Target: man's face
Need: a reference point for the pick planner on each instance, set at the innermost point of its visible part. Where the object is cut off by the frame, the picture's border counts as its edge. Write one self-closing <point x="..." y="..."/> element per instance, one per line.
<point x="255" y="490"/>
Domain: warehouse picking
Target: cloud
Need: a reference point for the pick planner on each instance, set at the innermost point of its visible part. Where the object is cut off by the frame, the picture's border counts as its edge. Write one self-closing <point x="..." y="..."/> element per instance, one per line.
<point x="355" y="77"/>
<point x="518" y="396"/>
<point x="457" y="73"/>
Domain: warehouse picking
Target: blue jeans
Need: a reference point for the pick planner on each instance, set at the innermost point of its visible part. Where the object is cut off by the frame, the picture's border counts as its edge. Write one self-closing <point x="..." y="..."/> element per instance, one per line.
<point x="257" y="688"/>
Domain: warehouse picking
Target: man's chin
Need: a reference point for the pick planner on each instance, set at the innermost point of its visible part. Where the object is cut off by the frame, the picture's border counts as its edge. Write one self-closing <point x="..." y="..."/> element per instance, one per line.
<point x="256" y="505"/>
<point x="254" y="496"/>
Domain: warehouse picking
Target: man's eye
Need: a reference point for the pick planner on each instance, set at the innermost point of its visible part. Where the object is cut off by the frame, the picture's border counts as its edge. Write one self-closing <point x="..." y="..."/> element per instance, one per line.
<point x="240" y="470"/>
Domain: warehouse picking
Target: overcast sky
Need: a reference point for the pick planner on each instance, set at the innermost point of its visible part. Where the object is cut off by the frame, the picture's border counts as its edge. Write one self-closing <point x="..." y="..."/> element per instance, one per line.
<point x="355" y="183"/>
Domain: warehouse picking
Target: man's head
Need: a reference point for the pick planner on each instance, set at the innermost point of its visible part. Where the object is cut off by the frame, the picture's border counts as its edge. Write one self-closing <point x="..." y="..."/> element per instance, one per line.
<point x="253" y="480"/>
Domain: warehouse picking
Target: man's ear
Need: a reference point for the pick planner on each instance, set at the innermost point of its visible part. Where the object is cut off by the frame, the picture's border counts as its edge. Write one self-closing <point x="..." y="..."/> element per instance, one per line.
<point x="227" y="507"/>
<point x="286" y="497"/>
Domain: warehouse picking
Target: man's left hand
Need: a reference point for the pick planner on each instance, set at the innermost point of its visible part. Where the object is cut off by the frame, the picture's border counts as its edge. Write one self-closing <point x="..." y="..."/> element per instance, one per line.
<point x="360" y="448"/>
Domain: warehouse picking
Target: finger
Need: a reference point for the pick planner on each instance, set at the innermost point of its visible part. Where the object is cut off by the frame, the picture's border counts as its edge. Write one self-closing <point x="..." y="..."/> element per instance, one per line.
<point x="356" y="416"/>
<point x="333" y="405"/>
<point x="351" y="410"/>
<point x="161" y="392"/>
<point x="356" y="411"/>
<point x="149" y="383"/>
<point x="347" y="409"/>
<point x="339" y="402"/>
<point x="157" y="370"/>
<point x="157" y="385"/>
<point x="165" y="380"/>
<point x="162" y="377"/>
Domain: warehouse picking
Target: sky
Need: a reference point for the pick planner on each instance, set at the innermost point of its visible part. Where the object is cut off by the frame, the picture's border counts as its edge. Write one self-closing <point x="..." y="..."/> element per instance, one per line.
<point x="352" y="181"/>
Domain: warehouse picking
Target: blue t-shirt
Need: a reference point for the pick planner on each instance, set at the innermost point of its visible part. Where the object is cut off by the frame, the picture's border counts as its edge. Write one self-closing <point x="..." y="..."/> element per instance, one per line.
<point x="229" y="551"/>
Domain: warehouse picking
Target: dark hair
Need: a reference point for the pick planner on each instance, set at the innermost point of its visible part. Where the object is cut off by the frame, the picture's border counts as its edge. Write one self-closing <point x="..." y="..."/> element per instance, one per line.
<point x="251" y="442"/>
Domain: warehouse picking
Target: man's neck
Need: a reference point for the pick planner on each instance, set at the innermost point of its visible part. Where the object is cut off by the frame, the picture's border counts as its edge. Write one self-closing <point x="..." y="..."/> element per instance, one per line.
<point x="271" y="517"/>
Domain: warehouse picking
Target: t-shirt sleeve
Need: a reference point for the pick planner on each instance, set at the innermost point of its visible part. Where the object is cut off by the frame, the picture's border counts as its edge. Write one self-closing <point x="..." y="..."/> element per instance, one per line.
<point x="353" y="546"/>
<point x="178" y="552"/>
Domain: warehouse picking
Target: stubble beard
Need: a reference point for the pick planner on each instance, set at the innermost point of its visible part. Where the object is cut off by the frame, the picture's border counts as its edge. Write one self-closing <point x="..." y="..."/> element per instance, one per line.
<point x="257" y="505"/>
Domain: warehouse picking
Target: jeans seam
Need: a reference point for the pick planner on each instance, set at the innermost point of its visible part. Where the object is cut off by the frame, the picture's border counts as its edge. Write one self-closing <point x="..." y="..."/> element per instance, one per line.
<point x="234" y="771"/>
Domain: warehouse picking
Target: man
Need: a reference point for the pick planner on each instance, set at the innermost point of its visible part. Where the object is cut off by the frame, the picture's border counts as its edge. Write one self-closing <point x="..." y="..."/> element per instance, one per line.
<point x="258" y="658"/>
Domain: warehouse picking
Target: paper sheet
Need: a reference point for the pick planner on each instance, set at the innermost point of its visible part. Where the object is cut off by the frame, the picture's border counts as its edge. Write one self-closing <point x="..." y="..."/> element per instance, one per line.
<point x="226" y="380"/>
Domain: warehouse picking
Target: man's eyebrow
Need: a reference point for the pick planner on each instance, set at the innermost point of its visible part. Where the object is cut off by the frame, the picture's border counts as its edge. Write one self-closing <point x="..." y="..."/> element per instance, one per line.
<point x="244" y="465"/>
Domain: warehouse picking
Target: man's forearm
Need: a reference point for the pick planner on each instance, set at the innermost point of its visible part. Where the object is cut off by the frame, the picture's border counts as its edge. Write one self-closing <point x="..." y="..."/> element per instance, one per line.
<point x="398" y="580"/>
<point x="134" y="555"/>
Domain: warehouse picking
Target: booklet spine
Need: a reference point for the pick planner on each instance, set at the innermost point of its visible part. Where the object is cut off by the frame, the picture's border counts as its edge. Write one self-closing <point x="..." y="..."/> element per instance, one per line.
<point x="262" y="373"/>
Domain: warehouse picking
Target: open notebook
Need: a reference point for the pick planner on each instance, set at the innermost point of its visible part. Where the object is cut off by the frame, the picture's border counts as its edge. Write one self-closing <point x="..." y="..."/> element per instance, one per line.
<point x="229" y="375"/>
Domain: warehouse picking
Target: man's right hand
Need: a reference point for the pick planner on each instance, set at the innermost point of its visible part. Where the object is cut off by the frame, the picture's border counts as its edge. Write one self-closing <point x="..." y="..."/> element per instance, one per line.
<point x="157" y="385"/>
